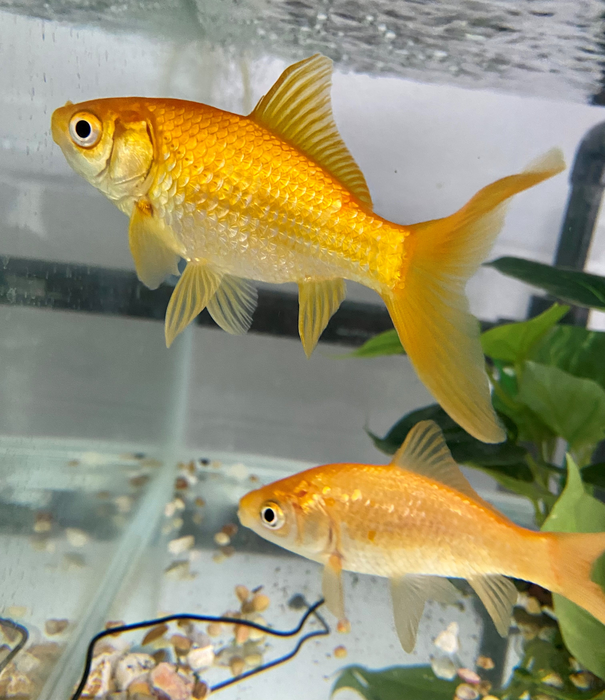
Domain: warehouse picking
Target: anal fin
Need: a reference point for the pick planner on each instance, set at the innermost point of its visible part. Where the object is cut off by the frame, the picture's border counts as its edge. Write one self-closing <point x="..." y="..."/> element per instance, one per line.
<point x="191" y="295"/>
<point x="153" y="246"/>
<point x="499" y="595"/>
<point x="233" y="304"/>
<point x="317" y="302"/>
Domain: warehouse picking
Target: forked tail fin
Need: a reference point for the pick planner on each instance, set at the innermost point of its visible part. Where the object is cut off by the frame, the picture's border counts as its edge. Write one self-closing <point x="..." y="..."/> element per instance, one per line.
<point x="572" y="557"/>
<point x="430" y="310"/>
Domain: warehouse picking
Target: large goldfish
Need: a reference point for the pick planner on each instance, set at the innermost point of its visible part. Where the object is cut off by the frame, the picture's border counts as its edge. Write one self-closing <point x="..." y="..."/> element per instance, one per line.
<point x="276" y="196"/>
<point x="418" y="521"/>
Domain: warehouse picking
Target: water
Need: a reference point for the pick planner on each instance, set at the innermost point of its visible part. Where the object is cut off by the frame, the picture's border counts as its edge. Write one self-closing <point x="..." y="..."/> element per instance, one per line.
<point x="89" y="536"/>
<point x="103" y="431"/>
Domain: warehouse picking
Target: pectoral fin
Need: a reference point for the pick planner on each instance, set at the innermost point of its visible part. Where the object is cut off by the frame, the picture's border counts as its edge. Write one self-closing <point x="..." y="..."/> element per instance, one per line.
<point x="317" y="302"/>
<point x="153" y="246"/>
<point x="498" y="594"/>
<point x="409" y="594"/>
<point x="191" y="295"/>
<point x="233" y="304"/>
<point x="331" y="587"/>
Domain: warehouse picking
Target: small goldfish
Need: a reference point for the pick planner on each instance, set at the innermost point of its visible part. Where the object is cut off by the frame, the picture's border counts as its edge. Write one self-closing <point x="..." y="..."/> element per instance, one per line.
<point x="275" y="196"/>
<point x="418" y="521"/>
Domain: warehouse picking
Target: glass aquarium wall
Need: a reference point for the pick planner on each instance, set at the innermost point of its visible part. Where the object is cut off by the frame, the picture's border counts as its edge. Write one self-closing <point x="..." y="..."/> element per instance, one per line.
<point x="122" y="462"/>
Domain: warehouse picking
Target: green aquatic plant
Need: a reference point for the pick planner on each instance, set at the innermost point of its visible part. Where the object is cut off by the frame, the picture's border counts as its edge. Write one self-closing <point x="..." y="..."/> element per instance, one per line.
<point x="548" y="383"/>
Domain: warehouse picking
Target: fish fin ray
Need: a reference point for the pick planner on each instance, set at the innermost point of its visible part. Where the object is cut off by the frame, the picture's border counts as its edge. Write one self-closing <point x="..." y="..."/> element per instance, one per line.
<point x="299" y="109"/>
<point x="152" y="246"/>
<point x="317" y="301"/>
<point x="442" y="590"/>
<point x="429" y="307"/>
<point x="233" y="304"/>
<point x="331" y="586"/>
<point x="196" y="287"/>
<point x="499" y="595"/>
<point x="424" y="451"/>
<point x="408" y="594"/>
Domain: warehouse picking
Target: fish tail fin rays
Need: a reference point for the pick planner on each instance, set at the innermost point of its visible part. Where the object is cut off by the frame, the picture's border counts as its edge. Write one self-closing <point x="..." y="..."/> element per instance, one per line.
<point x="317" y="303"/>
<point x="572" y="557"/>
<point x="429" y="307"/>
<point x="194" y="290"/>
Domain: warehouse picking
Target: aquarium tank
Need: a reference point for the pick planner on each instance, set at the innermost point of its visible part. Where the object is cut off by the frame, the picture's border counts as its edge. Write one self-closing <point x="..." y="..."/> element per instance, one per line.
<point x="124" y="569"/>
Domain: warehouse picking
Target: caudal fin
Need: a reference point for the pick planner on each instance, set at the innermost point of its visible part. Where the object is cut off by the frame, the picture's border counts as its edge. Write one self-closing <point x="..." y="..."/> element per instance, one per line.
<point x="572" y="558"/>
<point x="430" y="309"/>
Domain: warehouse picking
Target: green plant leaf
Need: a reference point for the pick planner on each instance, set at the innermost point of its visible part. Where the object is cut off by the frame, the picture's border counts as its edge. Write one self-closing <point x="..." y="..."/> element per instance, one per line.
<point x="571" y="407"/>
<point x="573" y="286"/>
<point x="577" y="511"/>
<point x="512" y="342"/>
<point x="396" y="683"/>
<point x="386" y="343"/>
<point x="574" y="349"/>
<point x="504" y="457"/>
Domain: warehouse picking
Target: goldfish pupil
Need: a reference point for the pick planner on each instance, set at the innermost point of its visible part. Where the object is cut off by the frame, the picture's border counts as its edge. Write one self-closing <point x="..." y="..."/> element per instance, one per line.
<point x="83" y="129"/>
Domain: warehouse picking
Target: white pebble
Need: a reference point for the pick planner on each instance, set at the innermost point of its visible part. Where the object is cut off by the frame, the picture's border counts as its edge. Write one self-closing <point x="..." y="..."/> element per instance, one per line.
<point x="444" y="667"/>
<point x="180" y="545"/>
<point x="447" y="640"/>
<point x="201" y="658"/>
<point x="76" y="537"/>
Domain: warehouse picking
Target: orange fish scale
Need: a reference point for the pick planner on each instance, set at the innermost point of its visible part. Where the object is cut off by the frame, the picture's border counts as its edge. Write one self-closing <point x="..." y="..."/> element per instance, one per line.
<point x="317" y="229"/>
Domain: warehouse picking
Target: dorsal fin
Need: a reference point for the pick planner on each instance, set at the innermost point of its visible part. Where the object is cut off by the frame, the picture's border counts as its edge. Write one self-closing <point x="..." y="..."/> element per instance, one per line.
<point x="298" y="108"/>
<point x="425" y="452"/>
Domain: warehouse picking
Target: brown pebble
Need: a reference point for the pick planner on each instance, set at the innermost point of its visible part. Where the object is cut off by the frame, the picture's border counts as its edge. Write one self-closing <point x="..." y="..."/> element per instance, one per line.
<point x="140" y="689"/>
<point x="181" y="483"/>
<point x="230" y="529"/>
<point x="200" y="691"/>
<point x="242" y="632"/>
<point x="260" y="602"/>
<point x="227" y="551"/>
<point x="485" y="662"/>
<point x="253" y="478"/>
<point x="197" y="518"/>
<point x="484" y="687"/>
<point x="43" y="522"/>
<point x="114" y="623"/>
<point x="214" y="629"/>
<point x="181" y="644"/>
<point x="52" y="627"/>
<point x="247" y="607"/>
<point x="242" y="593"/>
<point x="191" y="467"/>
<point x="343" y="626"/>
<point x="138" y="482"/>
<point x="154" y="633"/>
<point x="200" y="502"/>
<point x="185" y="625"/>
<point x="340" y="652"/>
<point x="103" y="495"/>
<point x="237" y="665"/>
<point x="73" y="463"/>
<point x="160" y="656"/>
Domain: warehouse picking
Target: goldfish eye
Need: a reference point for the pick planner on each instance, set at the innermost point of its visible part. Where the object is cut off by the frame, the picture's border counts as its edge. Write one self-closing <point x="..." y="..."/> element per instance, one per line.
<point x="85" y="130"/>
<point x="272" y="516"/>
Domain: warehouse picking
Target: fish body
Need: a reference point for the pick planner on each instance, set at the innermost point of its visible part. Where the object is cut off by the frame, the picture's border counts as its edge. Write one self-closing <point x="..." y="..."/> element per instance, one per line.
<point x="276" y="197"/>
<point x="418" y="522"/>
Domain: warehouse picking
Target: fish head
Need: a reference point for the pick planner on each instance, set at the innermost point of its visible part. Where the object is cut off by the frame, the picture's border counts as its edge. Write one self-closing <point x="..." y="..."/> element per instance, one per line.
<point x="109" y="142"/>
<point x="288" y="513"/>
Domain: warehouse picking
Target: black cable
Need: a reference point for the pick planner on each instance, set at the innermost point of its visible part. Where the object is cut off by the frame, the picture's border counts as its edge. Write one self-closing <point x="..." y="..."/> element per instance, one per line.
<point x="4" y="622"/>
<point x="311" y="610"/>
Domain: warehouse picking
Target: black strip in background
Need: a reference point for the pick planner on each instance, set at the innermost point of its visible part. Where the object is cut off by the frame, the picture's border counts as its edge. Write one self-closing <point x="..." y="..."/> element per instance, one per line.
<point x="99" y="290"/>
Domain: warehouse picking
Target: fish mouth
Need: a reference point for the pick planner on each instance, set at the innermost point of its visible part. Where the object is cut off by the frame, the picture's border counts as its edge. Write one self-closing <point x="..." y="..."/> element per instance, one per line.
<point x="58" y="123"/>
